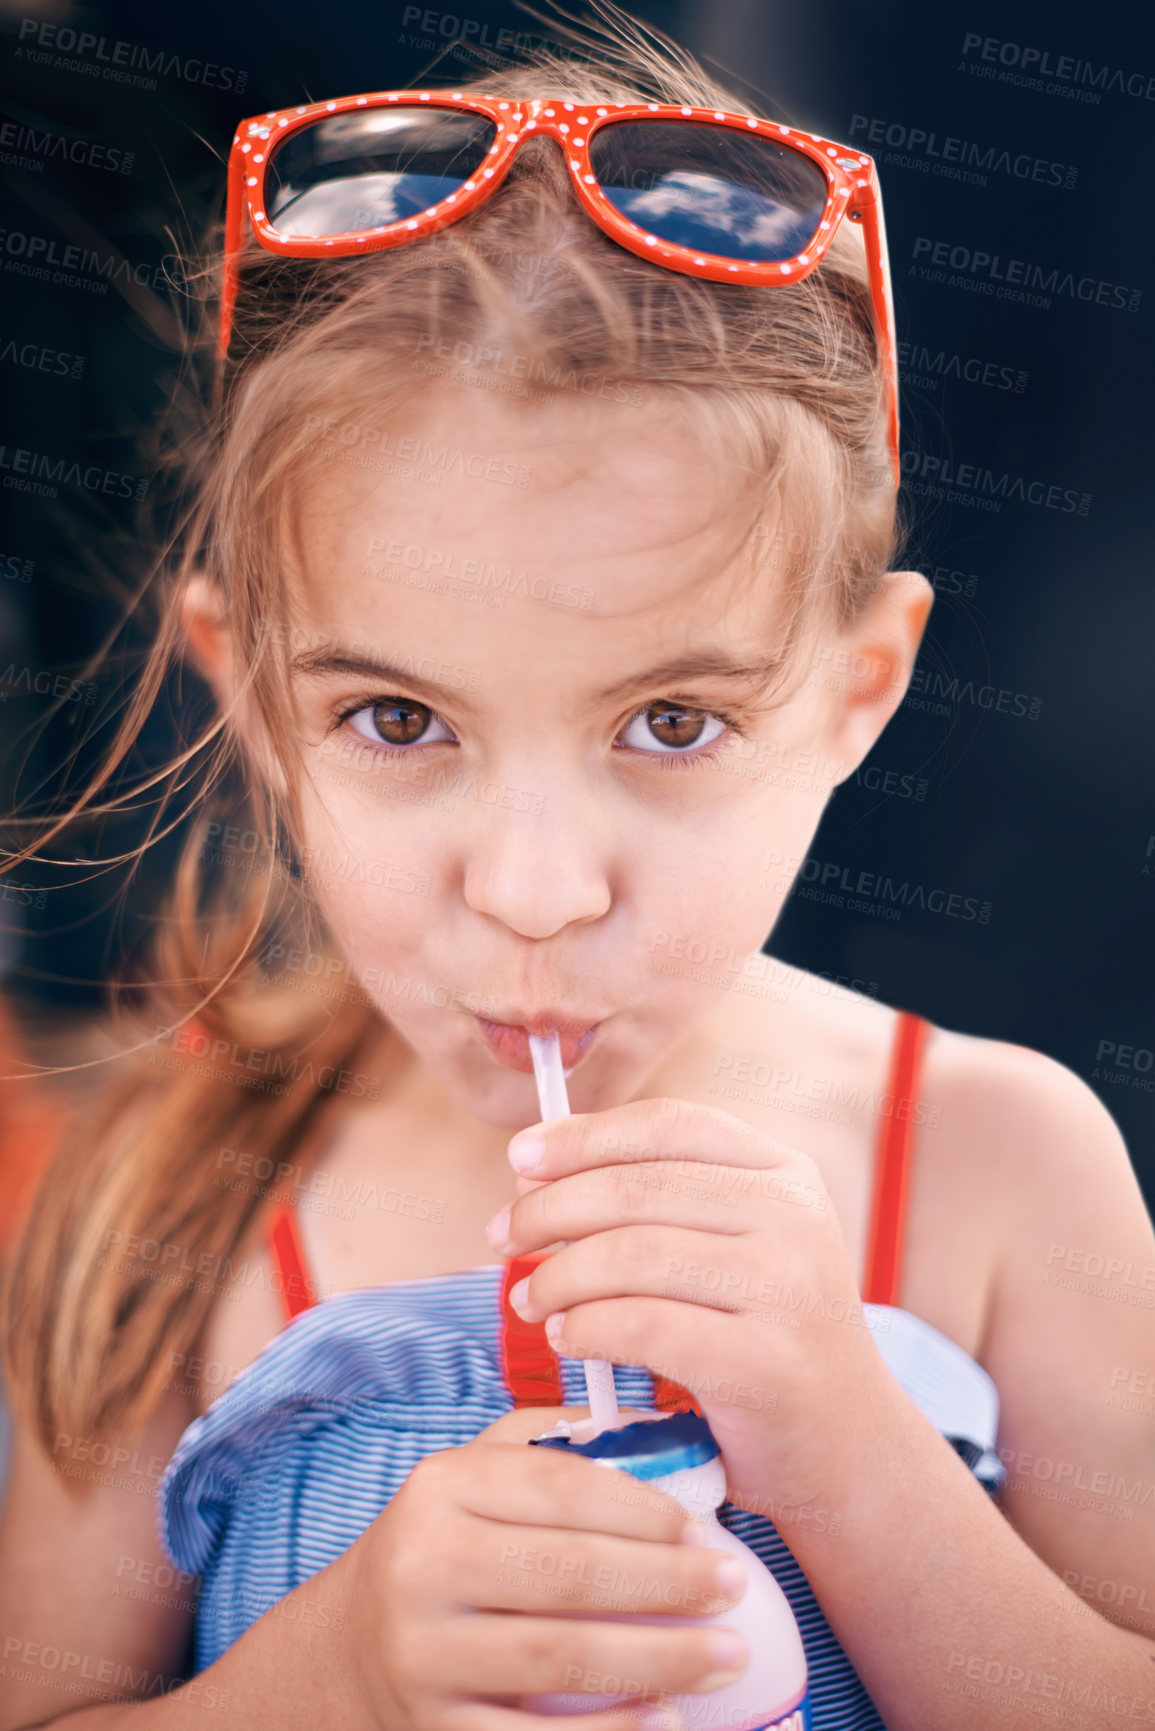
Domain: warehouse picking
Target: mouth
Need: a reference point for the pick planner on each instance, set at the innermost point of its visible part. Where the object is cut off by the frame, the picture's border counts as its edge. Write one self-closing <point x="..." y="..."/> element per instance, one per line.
<point x="509" y="1041"/>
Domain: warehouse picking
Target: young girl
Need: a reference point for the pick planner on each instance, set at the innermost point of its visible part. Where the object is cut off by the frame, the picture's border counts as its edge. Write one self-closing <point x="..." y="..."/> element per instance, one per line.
<point x="541" y="571"/>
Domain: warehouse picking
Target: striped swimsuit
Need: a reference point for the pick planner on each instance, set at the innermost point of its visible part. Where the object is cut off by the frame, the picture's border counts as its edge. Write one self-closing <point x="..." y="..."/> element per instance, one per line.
<point x="292" y="1463"/>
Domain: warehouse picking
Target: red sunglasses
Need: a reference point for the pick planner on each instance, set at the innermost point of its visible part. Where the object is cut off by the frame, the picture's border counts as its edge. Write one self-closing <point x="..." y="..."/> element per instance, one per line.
<point x="724" y="196"/>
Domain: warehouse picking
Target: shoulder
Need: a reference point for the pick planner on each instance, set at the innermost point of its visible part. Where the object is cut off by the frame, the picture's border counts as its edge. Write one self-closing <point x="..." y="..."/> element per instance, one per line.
<point x="1032" y="1128"/>
<point x="1072" y="1249"/>
<point x="1069" y="1326"/>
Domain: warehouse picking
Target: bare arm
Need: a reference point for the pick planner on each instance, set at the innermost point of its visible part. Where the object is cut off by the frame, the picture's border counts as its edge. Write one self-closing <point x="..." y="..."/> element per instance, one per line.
<point x="962" y="1614"/>
<point x="410" y="1629"/>
<point x="92" y="1610"/>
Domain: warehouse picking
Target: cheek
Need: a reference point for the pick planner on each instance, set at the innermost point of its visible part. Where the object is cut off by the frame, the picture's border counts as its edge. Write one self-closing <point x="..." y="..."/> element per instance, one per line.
<point x="730" y="875"/>
<point x="370" y="870"/>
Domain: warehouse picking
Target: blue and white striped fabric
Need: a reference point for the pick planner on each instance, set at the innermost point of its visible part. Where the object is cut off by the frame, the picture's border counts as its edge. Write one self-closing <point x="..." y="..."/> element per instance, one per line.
<point x="295" y="1460"/>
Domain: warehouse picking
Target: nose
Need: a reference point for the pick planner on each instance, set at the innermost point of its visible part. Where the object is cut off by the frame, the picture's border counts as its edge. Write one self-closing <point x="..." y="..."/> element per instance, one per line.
<point x="537" y="870"/>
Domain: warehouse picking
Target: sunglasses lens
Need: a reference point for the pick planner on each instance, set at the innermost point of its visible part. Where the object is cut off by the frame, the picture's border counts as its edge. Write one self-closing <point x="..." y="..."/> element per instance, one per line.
<point x="372" y="166"/>
<point x="712" y="188"/>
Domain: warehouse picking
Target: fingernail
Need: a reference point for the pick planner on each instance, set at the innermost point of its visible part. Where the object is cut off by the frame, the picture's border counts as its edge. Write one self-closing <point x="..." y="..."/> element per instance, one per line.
<point x="553" y="1327"/>
<point x="526" y="1151"/>
<point x="518" y="1295"/>
<point x="498" y="1229"/>
<point x="718" y="1679"/>
<point x="694" y="1533"/>
<point x="729" y="1651"/>
<point x="732" y="1578"/>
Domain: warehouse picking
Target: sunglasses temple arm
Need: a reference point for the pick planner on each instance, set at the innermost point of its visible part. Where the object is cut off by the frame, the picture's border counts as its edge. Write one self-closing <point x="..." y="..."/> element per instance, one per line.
<point x="234" y="218"/>
<point x="869" y="203"/>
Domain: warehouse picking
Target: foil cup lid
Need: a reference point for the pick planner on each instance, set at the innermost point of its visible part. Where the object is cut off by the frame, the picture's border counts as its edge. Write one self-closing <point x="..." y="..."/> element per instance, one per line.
<point x="647" y="1448"/>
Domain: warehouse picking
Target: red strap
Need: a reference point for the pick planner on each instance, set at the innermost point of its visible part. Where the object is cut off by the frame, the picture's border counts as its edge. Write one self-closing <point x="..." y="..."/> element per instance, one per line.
<point x="530" y="1365"/>
<point x="670" y="1396"/>
<point x="528" y="1362"/>
<point x="289" y="1260"/>
<point x="892" y="1164"/>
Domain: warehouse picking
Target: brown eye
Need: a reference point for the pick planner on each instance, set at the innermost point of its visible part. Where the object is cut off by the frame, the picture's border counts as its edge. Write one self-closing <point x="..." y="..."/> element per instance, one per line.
<point x="671" y="727"/>
<point x="399" y="721"/>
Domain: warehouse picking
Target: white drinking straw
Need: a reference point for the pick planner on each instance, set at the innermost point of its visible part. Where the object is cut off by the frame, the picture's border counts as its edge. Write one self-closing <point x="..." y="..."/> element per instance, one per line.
<point x="545" y="1050"/>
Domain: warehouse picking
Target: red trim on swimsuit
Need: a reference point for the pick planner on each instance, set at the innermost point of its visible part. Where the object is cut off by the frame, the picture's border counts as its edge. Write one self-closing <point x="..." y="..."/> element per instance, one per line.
<point x="290" y="1263"/>
<point x="892" y="1164"/>
<point x="530" y="1365"/>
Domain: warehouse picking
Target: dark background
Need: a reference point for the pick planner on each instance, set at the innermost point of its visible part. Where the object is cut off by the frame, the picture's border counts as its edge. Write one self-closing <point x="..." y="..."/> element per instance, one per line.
<point x="1038" y="804"/>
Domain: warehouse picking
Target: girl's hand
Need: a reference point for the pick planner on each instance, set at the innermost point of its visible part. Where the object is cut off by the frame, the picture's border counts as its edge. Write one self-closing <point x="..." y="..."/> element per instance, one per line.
<point x="495" y="1527"/>
<point x="711" y="1254"/>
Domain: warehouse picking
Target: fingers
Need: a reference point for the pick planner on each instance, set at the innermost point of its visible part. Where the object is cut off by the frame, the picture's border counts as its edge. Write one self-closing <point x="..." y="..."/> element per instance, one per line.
<point x="642" y="1130"/>
<point x="529" y="1487"/>
<point x="660" y="1262"/>
<point x="745" y="1371"/>
<point x="529" y="1655"/>
<point x="721" y="1199"/>
<point x="554" y="1571"/>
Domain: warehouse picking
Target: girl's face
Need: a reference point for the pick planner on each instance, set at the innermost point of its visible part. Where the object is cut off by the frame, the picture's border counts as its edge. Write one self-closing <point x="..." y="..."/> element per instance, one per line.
<point x="547" y="779"/>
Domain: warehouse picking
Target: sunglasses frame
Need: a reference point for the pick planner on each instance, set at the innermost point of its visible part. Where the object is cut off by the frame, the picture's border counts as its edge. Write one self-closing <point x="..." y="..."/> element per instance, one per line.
<point x="852" y="194"/>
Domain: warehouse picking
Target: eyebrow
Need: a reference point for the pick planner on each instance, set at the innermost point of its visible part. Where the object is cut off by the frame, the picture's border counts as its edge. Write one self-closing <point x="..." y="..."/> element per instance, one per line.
<point x="698" y="664"/>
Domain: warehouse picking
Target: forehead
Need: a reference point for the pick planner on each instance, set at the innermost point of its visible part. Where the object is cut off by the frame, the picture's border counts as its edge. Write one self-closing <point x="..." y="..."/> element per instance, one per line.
<point x="615" y="511"/>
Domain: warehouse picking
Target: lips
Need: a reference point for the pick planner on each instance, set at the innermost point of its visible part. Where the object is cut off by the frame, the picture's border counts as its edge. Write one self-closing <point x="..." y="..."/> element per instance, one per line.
<point x="509" y="1041"/>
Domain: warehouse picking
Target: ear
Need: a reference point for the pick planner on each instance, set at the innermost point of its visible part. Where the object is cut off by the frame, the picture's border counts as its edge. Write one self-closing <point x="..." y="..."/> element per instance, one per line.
<point x="205" y="619"/>
<point x="872" y="660"/>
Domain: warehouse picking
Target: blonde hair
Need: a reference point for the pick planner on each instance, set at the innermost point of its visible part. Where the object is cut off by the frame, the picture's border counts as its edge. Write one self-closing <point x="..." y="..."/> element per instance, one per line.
<point x="792" y="376"/>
